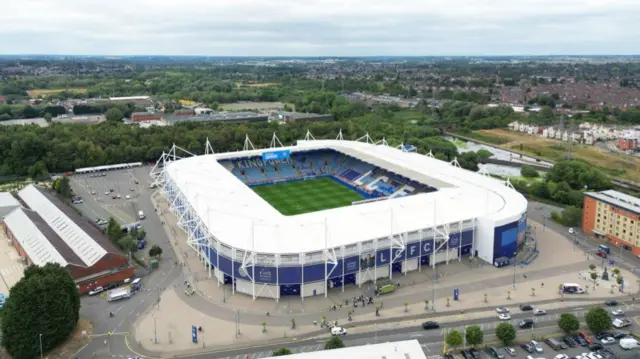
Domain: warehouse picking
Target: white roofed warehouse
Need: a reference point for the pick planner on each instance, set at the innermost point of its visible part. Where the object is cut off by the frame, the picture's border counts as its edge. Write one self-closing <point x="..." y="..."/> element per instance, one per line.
<point x="46" y="230"/>
<point x="328" y="213"/>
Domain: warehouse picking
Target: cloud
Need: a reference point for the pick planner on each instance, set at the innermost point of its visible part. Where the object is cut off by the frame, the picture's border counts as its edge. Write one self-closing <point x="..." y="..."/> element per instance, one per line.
<point x="320" y="27"/>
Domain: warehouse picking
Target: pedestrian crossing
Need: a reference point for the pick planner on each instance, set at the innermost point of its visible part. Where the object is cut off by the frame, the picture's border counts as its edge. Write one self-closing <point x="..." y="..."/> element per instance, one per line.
<point x="12" y="270"/>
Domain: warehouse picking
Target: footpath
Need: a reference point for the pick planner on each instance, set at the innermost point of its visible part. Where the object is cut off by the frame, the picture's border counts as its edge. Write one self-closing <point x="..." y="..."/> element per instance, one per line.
<point x="231" y="321"/>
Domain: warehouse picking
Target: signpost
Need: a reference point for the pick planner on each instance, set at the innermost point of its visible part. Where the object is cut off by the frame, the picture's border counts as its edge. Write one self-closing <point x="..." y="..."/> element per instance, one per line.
<point x="194" y="334"/>
<point x="456" y="294"/>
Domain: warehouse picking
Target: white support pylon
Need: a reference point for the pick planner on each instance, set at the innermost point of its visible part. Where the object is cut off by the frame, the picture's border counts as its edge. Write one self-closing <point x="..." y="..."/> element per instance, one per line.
<point x="247" y="144"/>
<point x="275" y="142"/>
<point x="309" y="136"/>
<point x="382" y="142"/>
<point x="455" y="162"/>
<point x="366" y="138"/>
<point x="430" y="154"/>
<point x="483" y="171"/>
<point x="208" y="149"/>
<point x="340" y="138"/>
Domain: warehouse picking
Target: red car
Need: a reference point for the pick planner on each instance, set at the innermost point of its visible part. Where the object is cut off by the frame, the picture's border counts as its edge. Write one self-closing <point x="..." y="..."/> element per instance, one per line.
<point x="602" y="254"/>
<point x="586" y="337"/>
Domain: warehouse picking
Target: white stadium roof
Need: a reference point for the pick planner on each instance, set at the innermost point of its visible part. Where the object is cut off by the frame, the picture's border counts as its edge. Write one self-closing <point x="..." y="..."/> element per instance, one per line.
<point x="237" y="216"/>
<point x="85" y="247"/>
<point x="408" y="349"/>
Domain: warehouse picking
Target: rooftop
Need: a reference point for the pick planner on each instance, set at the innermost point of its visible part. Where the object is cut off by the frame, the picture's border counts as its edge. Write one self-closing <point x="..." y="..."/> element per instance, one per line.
<point x="617" y="199"/>
<point x="237" y="216"/>
<point x="409" y="349"/>
<point x="7" y="200"/>
<point x="217" y="117"/>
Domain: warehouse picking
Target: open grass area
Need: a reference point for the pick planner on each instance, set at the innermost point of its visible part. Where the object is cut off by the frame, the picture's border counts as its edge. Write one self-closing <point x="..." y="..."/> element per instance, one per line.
<point x="614" y="164"/>
<point x="42" y="92"/>
<point x="298" y="197"/>
<point x="253" y="106"/>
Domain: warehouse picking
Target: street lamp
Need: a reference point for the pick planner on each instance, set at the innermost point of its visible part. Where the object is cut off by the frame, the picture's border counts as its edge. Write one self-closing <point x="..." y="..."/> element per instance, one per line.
<point x="514" y="269"/>
<point x="40" y="337"/>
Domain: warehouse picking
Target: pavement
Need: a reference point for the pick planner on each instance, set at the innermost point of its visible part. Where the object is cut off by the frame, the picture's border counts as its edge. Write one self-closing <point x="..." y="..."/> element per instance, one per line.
<point x="152" y="328"/>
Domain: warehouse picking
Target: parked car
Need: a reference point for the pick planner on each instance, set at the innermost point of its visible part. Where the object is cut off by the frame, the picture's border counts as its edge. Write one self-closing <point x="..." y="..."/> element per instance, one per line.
<point x="430" y="325"/>
<point x="465" y="354"/>
<point x="526" y="307"/>
<point x="586" y="337"/>
<point x="621" y="323"/>
<point x="603" y="335"/>
<point x="571" y="231"/>
<point x="619" y="335"/>
<point x="561" y="356"/>
<point x="494" y="353"/>
<point x="475" y="354"/>
<point x="510" y="351"/>
<point x="595" y="346"/>
<point x="96" y="290"/>
<point x="536" y="346"/>
<point x="607" y="340"/>
<point x="569" y="342"/>
<point x="528" y="348"/>
<point x="580" y="340"/>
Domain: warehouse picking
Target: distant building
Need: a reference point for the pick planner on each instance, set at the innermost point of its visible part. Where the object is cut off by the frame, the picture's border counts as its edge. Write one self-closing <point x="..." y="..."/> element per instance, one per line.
<point x="138" y="100"/>
<point x="283" y="116"/>
<point x="230" y="117"/>
<point x="26" y="121"/>
<point x="183" y="112"/>
<point x="145" y="116"/>
<point x="3" y="100"/>
<point x="615" y="216"/>
<point x="203" y="111"/>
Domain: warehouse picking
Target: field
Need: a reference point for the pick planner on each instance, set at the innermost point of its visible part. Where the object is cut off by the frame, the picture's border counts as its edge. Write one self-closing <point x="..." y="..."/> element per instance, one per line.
<point x="298" y="197"/>
<point x="614" y="164"/>
<point x="253" y="106"/>
<point x="43" y="92"/>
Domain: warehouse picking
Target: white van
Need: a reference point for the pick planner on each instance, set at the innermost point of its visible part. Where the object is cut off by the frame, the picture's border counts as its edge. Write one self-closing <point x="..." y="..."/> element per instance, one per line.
<point x="628" y="343"/>
<point x="140" y="214"/>
<point x="338" y="331"/>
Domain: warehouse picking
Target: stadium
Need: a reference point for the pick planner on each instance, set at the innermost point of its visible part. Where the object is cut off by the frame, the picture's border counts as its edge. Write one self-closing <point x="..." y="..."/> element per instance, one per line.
<point x="324" y="214"/>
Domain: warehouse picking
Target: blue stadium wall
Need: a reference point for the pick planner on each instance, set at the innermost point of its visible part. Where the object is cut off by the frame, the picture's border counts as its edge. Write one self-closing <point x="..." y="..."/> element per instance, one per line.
<point x="344" y="270"/>
<point x="509" y="237"/>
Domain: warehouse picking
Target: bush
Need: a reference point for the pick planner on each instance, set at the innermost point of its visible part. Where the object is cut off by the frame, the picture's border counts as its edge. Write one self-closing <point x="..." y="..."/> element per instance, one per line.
<point x="454" y="338"/>
<point x="529" y="172"/>
<point x="568" y="322"/>
<point x="44" y="302"/>
<point x="474" y="334"/>
<point x="280" y="352"/>
<point x="506" y="333"/>
<point x="334" y="343"/>
<point x="598" y="320"/>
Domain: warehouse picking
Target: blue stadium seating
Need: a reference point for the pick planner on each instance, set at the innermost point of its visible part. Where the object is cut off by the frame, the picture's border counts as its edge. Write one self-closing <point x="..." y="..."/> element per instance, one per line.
<point x="254" y="171"/>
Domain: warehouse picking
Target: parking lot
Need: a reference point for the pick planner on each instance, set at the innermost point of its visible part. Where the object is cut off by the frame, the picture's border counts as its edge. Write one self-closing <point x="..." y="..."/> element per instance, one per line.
<point x="112" y="193"/>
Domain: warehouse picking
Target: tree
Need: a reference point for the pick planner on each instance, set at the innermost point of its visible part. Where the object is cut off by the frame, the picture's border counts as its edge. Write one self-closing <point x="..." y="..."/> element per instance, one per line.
<point x="47" y="117"/>
<point x="114" y="232"/>
<point x="568" y="322"/>
<point x="598" y="320"/>
<point x="155" y="251"/>
<point x="529" y="172"/>
<point x="44" y="302"/>
<point x="484" y="154"/>
<point x="453" y="338"/>
<point x="474" y="335"/>
<point x="127" y="243"/>
<point x="334" y="343"/>
<point x="113" y="114"/>
<point x="62" y="187"/>
<point x="571" y="216"/>
<point x="506" y="333"/>
<point x="280" y="352"/>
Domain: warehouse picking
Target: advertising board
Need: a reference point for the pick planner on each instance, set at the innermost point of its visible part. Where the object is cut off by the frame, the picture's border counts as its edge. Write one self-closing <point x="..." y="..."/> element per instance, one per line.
<point x="276" y="155"/>
<point x="290" y="275"/>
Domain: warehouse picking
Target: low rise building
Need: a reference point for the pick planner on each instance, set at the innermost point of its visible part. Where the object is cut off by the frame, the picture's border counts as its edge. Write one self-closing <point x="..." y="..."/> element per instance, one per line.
<point x="145" y="116"/>
<point x="614" y="216"/>
<point x="229" y="117"/>
<point x="283" y="116"/>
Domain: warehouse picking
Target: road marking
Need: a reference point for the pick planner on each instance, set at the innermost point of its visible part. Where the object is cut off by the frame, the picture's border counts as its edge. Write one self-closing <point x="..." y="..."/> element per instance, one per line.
<point x="416" y="335"/>
<point x="426" y="347"/>
<point x="117" y="310"/>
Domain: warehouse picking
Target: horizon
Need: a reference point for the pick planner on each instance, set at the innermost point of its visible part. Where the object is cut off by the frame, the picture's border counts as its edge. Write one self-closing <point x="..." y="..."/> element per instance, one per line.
<point x="324" y="28"/>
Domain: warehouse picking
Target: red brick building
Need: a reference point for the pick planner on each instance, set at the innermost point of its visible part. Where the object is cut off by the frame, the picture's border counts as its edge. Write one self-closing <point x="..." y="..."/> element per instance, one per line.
<point x="145" y="116"/>
<point x="628" y="143"/>
<point x="50" y="231"/>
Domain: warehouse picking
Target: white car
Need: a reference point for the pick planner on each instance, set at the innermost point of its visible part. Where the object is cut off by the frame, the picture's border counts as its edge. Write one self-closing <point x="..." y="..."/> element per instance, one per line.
<point x="607" y="340"/>
<point x="502" y="310"/>
<point x="504" y="316"/>
<point x="538" y="311"/>
<point x="106" y="193"/>
<point x="93" y="193"/>
<point x="561" y="356"/>
<point x="127" y="197"/>
<point x="118" y="196"/>
<point x="338" y="331"/>
<point x="571" y="231"/>
<point x="95" y="291"/>
<point x="617" y="312"/>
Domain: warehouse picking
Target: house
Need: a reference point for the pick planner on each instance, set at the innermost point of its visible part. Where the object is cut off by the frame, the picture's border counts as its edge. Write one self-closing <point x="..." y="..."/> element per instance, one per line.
<point x="514" y="126"/>
<point x="559" y="134"/>
<point x="588" y="138"/>
<point x="3" y="100"/>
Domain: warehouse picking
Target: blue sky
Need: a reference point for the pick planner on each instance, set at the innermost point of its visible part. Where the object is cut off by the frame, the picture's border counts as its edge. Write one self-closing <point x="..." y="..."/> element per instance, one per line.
<point x="320" y="27"/>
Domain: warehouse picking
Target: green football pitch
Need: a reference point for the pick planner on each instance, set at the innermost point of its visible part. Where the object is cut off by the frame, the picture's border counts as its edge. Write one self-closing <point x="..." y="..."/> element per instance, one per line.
<point x="304" y="196"/>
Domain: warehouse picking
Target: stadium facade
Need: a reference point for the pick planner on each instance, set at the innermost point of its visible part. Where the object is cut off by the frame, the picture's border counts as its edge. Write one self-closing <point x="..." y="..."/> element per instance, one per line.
<point x="416" y="212"/>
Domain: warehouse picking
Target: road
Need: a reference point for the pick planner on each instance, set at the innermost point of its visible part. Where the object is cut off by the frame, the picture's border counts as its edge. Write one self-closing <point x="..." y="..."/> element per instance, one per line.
<point x="96" y="309"/>
<point x="431" y="340"/>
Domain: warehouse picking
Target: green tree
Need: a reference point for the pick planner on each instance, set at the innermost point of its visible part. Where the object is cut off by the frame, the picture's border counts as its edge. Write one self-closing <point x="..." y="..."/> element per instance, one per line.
<point x="155" y="251"/>
<point x="63" y="188"/>
<point x="453" y="338"/>
<point x="280" y="352"/>
<point x="334" y="343"/>
<point x="568" y="322"/>
<point x="598" y="320"/>
<point x="114" y="232"/>
<point x="113" y="114"/>
<point x="506" y="333"/>
<point x="127" y="243"/>
<point x="44" y="302"/>
<point x="48" y="117"/>
<point x="474" y="335"/>
<point x="529" y="171"/>
<point x="484" y="154"/>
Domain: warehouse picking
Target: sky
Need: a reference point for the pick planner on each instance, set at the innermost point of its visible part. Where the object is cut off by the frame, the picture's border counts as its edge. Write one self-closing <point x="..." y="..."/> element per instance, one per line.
<point x="320" y="27"/>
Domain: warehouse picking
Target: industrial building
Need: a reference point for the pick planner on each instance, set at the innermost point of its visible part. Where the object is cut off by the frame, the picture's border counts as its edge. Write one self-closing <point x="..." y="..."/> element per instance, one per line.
<point x="408" y="349"/>
<point x="45" y="230"/>
<point x="615" y="216"/>
<point x="287" y="117"/>
<point x="229" y="117"/>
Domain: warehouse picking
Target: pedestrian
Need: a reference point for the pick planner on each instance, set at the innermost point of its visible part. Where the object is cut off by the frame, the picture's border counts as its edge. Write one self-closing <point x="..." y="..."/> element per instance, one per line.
<point x="524" y="275"/>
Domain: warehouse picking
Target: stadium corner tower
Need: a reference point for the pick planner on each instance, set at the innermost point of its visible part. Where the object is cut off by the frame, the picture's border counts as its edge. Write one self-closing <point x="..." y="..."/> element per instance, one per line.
<point x="326" y="214"/>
